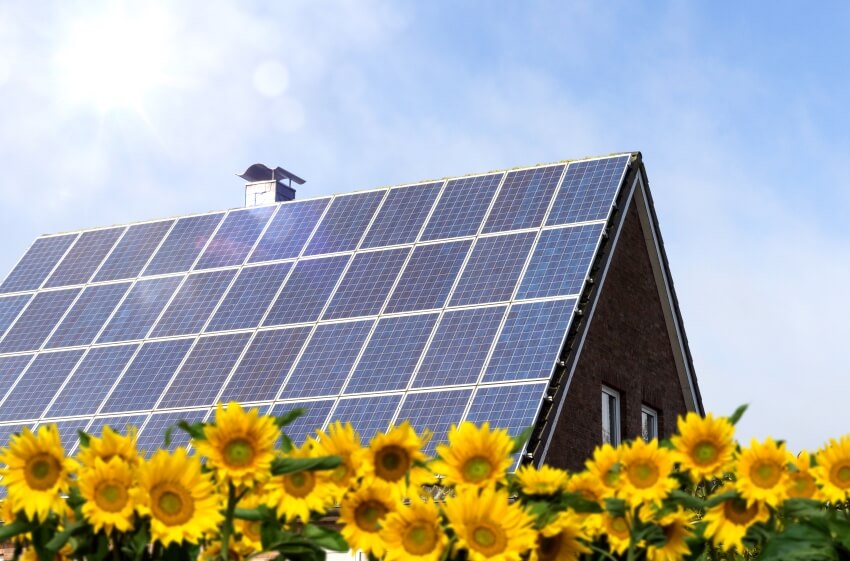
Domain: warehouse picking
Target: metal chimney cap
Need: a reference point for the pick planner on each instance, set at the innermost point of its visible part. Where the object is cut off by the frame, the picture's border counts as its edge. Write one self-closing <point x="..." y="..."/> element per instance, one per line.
<point x="262" y="172"/>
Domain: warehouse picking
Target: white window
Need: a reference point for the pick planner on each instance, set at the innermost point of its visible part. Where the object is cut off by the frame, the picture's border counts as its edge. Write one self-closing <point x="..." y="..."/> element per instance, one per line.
<point x="610" y="416"/>
<point x="648" y="423"/>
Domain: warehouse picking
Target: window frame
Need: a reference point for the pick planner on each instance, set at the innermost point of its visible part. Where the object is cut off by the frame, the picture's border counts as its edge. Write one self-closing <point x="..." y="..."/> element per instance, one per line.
<point x="614" y="415"/>
<point x="651" y="413"/>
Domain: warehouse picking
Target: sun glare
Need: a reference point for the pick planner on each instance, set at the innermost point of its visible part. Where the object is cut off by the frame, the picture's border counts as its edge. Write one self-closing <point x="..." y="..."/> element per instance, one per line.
<point x="114" y="59"/>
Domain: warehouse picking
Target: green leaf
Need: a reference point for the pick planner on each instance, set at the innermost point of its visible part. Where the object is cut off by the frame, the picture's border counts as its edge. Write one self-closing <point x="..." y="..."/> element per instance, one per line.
<point x="195" y="430"/>
<point x="289" y="416"/>
<point x="739" y="412"/>
<point x="579" y="504"/>
<point x="59" y="540"/>
<point x="286" y="444"/>
<point x="615" y="507"/>
<point x="798" y="542"/>
<point x="521" y="439"/>
<point x="17" y="527"/>
<point x="326" y="538"/>
<point x="687" y="500"/>
<point x="166" y="438"/>
<point x="284" y="466"/>
<point x="717" y="499"/>
<point x="254" y="514"/>
<point x="85" y="438"/>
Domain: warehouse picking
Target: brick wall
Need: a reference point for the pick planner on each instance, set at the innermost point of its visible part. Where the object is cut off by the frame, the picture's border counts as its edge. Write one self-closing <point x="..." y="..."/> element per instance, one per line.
<point x="627" y="348"/>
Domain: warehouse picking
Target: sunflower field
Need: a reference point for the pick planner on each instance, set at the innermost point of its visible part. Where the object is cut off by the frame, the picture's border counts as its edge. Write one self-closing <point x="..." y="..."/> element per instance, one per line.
<point x="249" y="491"/>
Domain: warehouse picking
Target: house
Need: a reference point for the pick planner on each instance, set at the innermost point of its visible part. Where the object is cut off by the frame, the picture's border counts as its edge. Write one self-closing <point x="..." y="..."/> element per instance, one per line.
<point x="539" y="296"/>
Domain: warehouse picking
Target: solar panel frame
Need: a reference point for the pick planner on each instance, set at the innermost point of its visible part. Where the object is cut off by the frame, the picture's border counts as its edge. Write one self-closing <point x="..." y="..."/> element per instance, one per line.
<point x="52" y="307"/>
<point x="394" y="222"/>
<point x="171" y="256"/>
<point x="290" y="246"/>
<point x="10" y="308"/>
<point x="355" y="226"/>
<point x="84" y="258"/>
<point x="238" y="236"/>
<point x="130" y="255"/>
<point x="34" y="272"/>
<point x="38" y="383"/>
<point x="78" y="327"/>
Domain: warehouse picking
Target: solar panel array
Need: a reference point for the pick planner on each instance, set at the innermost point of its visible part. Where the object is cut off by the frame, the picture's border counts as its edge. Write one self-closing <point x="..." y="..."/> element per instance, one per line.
<point x="433" y="302"/>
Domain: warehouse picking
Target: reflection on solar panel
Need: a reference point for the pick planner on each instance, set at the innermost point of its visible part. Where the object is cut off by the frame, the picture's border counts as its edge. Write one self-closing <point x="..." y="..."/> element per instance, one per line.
<point x="431" y="302"/>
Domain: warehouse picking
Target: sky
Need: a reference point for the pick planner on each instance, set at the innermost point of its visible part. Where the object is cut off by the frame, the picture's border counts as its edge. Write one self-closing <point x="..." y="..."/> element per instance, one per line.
<point x="113" y="112"/>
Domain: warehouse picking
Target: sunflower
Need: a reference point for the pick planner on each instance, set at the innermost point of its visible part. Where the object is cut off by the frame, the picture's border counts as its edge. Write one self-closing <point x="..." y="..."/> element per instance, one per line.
<point x="180" y="500"/>
<point x="728" y="522"/>
<point x="250" y="529"/>
<point x="488" y="527"/>
<point x="800" y="483"/>
<point x="645" y="476"/>
<point x="833" y="469"/>
<point x="241" y="445"/>
<point x="618" y="529"/>
<point x="362" y="513"/>
<point x="343" y="441"/>
<point x="414" y="533"/>
<point x="393" y="455"/>
<point x="110" y="444"/>
<point x="236" y="551"/>
<point x="544" y="480"/>
<point x="590" y="488"/>
<point x="107" y="489"/>
<point x="37" y="471"/>
<point x="475" y="456"/>
<point x="605" y="467"/>
<point x="761" y="472"/>
<point x="559" y="540"/>
<point x="296" y="495"/>
<point x="704" y="445"/>
<point x="677" y="529"/>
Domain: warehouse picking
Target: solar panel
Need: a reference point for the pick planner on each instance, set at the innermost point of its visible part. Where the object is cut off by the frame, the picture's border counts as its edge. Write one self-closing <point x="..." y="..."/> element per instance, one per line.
<point x="432" y="302"/>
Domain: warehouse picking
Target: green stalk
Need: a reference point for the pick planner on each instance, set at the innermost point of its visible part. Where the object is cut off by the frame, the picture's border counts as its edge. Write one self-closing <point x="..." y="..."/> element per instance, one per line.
<point x="228" y="521"/>
<point x="602" y="552"/>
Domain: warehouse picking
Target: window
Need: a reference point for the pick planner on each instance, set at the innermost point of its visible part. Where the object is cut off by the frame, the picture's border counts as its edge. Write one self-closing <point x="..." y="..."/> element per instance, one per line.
<point x="610" y="416"/>
<point x="648" y="423"/>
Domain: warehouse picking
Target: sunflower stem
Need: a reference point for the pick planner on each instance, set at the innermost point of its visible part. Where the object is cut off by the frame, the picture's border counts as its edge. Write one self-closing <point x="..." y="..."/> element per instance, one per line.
<point x="228" y="520"/>
<point x="602" y="552"/>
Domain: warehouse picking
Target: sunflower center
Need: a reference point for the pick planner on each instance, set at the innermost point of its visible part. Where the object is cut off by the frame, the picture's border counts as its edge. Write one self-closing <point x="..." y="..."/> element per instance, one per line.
<point x="705" y="452"/>
<point x="368" y="515"/>
<point x="238" y="452"/>
<point x="643" y="474"/>
<point x="111" y="496"/>
<point x="737" y="511"/>
<point x="619" y="527"/>
<point x="341" y="474"/>
<point x="252" y="531"/>
<point x="420" y="539"/>
<point x="42" y="471"/>
<point x="488" y="538"/>
<point x="477" y="469"/>
<point x="392" y="463"/>
<point x="549" y="548"/>
<point x="299" y="484"/>
<point x="802" y="486"/>
<point x="839" y="475"/>
<point x="171" y="503"/>
<point x="611" y="477"/>
<point x="765" y="474"/>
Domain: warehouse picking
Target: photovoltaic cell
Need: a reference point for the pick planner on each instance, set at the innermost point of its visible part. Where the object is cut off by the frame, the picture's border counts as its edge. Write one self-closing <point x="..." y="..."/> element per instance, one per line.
<point x="436" y="411"/>
<point x="38" y="385"/>
<point x="509" y="407"/>
<point x="83" y="259"/>
<point x="139" y="310"/>
<point x="265" y="365"/>
<point x="235" y="238"/>
<point x="588" y="190"/>
<point x="462" y="207"/>
<point x="152" y="436"/>
<point x="368" y="415"/>
<point x="560" y="262"/>
<point x="493" y="269"/>
<point x="119" y="423"/>
<point x="459" y="348"/>
<point x="327" y="360"/>
<point x="344" y="223"/>
<point x="68" y="431"/>
<point x="523" y="199"/>
<point x="402" y="215"/>
<point x="428" y="277"/>
<point x="133" y="251"/>
<point x="183" y="244"/>
<point x="10" y="368"/>
<point x="530" y="341"/>
<point x="37" y="320"/>
<point x="307" y="424"/>
<point x="391" y="354"/>
<point x="91" y="381"/>
<point x="10" y="307"/>
<point x="204" y="372"/>
<point x="289" y="230"/>
<point x="37" y="263"/>
<point x="87" y="316"/>
<point x="146" y="377"/>
<point x="249" y="297"/>
<point x="366" y="284"/>
<point x="307" y="290"/>
<point x="191" y="307"/>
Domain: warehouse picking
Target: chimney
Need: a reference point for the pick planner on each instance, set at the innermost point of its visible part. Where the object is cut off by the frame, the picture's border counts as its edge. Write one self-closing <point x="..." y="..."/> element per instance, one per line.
<point x="264" y="185"/>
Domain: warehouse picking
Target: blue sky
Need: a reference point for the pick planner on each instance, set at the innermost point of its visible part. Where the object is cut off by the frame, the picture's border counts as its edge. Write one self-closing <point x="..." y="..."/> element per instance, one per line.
<point x="115" y="112"/>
